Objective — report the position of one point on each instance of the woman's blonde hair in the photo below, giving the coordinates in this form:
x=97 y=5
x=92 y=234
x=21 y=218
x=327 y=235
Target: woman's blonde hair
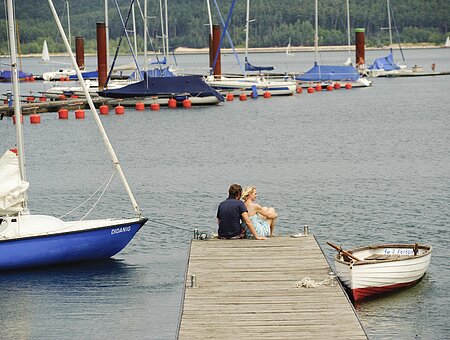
x=247 y=191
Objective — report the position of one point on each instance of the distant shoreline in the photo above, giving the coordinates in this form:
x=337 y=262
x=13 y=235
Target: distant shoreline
x=205 y=50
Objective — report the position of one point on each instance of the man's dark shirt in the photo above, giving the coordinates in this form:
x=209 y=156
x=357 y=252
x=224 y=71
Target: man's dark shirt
x=229 y=215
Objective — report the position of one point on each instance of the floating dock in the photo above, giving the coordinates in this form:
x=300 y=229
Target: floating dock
x=55 y=105
x=248 y=289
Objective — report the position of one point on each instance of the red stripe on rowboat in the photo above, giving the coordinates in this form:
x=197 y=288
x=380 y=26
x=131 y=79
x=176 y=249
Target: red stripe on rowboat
x=362 y=293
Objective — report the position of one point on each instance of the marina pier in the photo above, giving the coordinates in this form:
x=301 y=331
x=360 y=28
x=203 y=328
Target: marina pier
x=280 y=288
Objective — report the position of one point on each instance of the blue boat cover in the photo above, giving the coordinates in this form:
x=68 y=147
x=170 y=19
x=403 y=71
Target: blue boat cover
x=164 y=86
x=160 y=62
x=384 y=63
x=5 y=75
x=333 y=73
x=156 y=72
x=86 y=75
x=250 y=67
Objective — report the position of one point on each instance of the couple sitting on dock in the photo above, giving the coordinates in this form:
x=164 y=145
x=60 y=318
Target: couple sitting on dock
x=257 y=221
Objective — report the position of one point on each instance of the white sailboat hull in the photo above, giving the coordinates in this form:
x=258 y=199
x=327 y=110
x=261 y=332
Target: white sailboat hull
x=246 y=85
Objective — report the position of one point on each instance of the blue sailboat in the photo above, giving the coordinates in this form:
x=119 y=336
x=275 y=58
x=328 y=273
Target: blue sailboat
x=385 y=66
x=323 y=73
x=28 y=240
x=163 y=88
x=329 y=74
x=160 y=84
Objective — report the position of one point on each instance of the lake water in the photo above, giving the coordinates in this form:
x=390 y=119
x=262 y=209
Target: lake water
x=359 y=167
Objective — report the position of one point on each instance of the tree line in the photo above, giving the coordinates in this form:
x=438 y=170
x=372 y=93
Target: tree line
x=274 y=22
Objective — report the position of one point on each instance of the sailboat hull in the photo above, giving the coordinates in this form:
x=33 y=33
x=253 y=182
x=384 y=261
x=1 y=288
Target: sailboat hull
x=65 y=247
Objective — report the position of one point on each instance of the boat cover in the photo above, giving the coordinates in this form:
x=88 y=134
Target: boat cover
x=5 y=75
x=86 y=75
x=164 y=86
x=250 y=67
x=156 y=72
x=384 y=63
x=332 y=73
x=12 y=188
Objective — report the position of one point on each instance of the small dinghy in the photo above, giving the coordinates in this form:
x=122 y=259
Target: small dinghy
x=381 y=268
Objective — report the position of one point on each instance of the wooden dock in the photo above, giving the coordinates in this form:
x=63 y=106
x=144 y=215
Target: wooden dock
x=28 y=108
x=248 y=289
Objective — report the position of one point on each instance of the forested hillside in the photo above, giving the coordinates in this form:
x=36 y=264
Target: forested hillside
x=276 y=21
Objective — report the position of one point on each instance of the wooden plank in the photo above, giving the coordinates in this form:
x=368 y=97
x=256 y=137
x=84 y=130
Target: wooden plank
x=249 y=289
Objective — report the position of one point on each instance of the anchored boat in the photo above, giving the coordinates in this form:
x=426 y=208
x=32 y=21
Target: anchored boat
x=381 y=268
x=28 y=240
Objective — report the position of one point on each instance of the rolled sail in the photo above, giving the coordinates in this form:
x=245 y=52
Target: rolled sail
x=12 y=187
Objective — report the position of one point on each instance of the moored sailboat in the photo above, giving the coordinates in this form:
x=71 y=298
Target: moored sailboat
x=28 y=240
x=251 y=84
x=329 y=74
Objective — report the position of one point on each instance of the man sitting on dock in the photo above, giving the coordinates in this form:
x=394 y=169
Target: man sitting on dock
x=230 y=213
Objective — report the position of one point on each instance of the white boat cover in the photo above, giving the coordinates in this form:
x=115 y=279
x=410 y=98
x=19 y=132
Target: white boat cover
x=12 y=188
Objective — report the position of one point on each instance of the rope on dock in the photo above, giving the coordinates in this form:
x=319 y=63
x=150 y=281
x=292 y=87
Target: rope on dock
x=309 y=283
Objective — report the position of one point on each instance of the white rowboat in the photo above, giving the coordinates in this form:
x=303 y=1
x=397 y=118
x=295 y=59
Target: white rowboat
x=382 y=268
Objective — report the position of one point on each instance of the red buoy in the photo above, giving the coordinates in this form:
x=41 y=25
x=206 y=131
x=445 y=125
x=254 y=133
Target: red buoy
x=318 y=87
x=120 y=110
x=14 y=119
x=63 y=114
x=299 y=89
x=172 y=103
x=337 y=86
x=187 y=104
x=329 y=87
x=62 y=96
x=311 y=89
x=267 y=94
x=74 y=96
x=155 y=106
x=42 y=99
x=79 y=114
x=140 y=106
x=242 y=97
x=348 y=86
x=104 y=109
x=230 y=97
x=30 y=99
x=35 y=119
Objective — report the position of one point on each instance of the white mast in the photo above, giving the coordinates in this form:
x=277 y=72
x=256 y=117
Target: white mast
x=162 y=27
x=349 y=59
x=316 y=34
x=167 y=29
x=108 y=145
x=107 y=32
x=247 y=28
x=145 y=37
x=133 y=16
x=16 y=98
x=68 y=23
x=208 y=5
x=389 y=23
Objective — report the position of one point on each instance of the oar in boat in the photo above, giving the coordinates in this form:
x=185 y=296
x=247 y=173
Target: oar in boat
x=340 y=250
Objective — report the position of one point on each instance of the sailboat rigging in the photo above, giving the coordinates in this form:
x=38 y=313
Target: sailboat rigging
x=28 y=240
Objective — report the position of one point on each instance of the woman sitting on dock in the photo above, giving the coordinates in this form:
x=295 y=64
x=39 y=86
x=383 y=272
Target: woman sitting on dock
x=262 y=218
